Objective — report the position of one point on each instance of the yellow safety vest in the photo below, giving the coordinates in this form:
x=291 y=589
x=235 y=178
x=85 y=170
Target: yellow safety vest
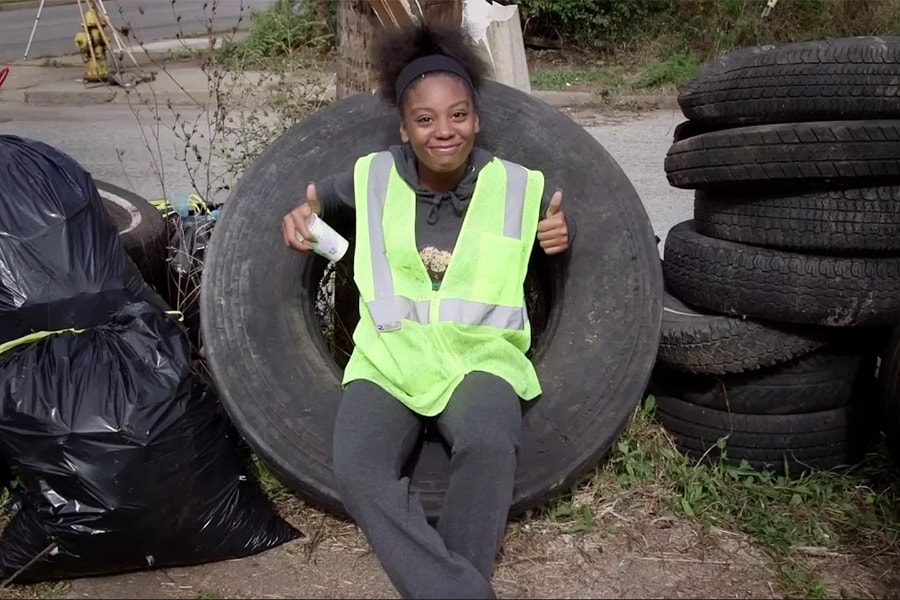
x=416 y=342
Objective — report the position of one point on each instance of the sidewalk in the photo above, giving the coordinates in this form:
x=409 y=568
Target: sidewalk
x=184 y=83
x=58 y=80
x=179 y=84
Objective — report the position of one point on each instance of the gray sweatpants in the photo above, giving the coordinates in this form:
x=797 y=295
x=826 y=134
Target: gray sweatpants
x=373 y=438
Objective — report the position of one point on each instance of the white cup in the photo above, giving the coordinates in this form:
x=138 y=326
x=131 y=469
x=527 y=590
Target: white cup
x=329 y=243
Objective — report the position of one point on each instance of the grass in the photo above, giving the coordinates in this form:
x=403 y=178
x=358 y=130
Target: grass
x=631 y=74
x=854 y=512
x=676 y=69
x=577 y=77
x=657 y=53
x=55 y=589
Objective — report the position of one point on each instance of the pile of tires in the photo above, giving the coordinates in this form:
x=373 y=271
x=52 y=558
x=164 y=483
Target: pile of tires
x=784 y=288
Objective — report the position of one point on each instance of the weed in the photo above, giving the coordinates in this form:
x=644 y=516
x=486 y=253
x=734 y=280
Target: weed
x=677 y=69
x=55 y=589
x=246 y=107
x=704 y=28
x=578 y=517
x=658 y=44
x=855 y=510
x=5 y=500
x=269 y=482
x=285 y=28
x=248 y=104
x=607 y=79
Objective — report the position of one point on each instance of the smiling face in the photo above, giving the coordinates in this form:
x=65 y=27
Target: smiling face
x=440 y=124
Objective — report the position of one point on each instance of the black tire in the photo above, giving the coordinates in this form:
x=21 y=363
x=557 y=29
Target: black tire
x=688 y=129
x=761 y=283
x=822 y=80
x=818 y=381
x=142 y=230
x=851 y=152
x=833 y=221
x=699 y=342
x=281 y=386
x=820 y=440
x=889 y=381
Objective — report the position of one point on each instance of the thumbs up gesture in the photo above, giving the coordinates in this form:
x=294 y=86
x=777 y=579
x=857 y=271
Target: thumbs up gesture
x=553 y=232
x=294 y=225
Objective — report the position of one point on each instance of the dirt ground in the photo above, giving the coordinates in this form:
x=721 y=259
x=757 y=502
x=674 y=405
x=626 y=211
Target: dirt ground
x=629 y=552
x=627 y=556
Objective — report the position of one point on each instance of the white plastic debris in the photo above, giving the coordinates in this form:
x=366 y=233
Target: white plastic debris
x=498 y=31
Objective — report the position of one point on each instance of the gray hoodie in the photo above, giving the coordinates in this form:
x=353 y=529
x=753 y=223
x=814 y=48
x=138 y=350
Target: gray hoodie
x=440 y=214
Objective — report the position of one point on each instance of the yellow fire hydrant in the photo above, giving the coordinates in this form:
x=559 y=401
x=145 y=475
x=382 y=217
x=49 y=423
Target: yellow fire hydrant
x=93 y=47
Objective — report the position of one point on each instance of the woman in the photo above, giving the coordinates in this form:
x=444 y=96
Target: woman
x=444 y=232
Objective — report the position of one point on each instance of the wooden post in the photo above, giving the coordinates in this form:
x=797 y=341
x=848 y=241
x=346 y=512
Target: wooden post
x=451 y=10
x=357 y=24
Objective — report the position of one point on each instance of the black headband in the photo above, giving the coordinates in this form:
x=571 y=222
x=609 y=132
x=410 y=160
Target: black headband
x=430 y=64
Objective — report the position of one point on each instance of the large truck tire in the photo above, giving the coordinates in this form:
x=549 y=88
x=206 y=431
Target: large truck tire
x=281 y=385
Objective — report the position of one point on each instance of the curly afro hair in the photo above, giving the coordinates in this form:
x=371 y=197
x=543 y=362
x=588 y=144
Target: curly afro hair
x=396 y=47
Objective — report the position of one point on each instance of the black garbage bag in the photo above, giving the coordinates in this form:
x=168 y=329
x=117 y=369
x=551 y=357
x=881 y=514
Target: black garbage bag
x=61 y=260
x=124 y=457
x=5 y=478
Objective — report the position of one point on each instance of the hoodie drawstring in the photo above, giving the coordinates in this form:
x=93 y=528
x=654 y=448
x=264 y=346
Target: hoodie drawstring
x=437 y=200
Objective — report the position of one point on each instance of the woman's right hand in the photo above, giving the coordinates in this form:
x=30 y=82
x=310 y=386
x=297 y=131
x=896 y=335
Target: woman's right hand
x=294 y=225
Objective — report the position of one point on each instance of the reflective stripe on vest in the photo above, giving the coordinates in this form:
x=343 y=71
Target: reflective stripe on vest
x=387 y=308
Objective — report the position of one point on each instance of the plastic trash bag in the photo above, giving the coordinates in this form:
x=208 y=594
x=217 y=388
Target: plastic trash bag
x=5 y=478
x=124 y=457
x=61 y=260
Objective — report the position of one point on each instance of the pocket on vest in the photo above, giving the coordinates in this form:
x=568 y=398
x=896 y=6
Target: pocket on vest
x=498 y=278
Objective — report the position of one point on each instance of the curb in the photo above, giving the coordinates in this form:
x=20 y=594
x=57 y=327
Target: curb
x=26 y=4
x=565 y=99
x=664 y=102
x=116 y=95
x=50 y=98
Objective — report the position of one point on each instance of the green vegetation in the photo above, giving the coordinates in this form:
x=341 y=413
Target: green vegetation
x=288 y=27
x=704 y=28
x=855 y=511
x=610 y=47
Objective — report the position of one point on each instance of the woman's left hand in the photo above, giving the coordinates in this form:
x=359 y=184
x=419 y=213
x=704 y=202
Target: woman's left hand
x=553 y=232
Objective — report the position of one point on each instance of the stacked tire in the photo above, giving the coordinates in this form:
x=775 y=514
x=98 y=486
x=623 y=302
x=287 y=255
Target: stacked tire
x=784 y=288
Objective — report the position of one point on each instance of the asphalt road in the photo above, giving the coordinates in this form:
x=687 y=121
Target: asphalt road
x=107 y=140
x=150 y=20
